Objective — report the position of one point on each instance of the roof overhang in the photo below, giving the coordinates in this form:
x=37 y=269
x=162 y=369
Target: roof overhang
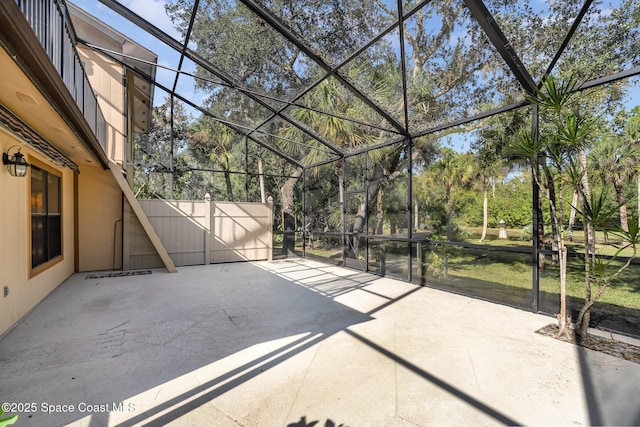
x=32 y=89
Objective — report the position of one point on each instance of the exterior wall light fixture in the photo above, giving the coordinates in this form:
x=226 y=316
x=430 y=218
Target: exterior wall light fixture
x=16 y=164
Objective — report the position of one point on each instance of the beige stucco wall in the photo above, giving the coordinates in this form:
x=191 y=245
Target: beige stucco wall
x=106 y=78
x=15 y=257
x=99 y=220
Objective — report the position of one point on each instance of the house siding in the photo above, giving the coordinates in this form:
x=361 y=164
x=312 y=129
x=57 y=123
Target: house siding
x=99 y=220
x=106 y=77
x=25 y=290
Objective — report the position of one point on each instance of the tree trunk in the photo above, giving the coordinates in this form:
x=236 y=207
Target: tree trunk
x=227 y=180
x=380 y=209
x=563 y=319
x=357 y=228
x=287 y=193
x=556 y=224
x=622 y=202
x=556 y=216
x=541 y=255
x=572 y=214
x=555 y=247
x=485 y=207
x=448 y=211
x=586 y=191
x=584 y=317
x=493 y=188
x=343 y=210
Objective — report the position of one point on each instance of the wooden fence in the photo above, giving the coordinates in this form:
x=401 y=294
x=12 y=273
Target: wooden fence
x=199 y=232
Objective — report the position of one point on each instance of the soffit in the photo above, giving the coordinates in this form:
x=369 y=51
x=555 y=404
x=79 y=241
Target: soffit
x=22 y=98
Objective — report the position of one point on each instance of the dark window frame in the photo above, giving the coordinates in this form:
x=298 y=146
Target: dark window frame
x=46 y=229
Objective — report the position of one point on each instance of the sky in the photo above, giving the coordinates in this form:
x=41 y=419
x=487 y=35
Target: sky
x=153 y=11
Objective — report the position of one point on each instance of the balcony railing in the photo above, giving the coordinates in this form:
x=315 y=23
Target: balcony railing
x=49 y=20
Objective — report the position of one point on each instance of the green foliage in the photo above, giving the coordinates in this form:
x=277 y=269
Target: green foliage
x=524 y=146
x=555 y=95
x=155 y=174
x=597 y=211
x=7 y=420
x=435 y=264
x=512 y=203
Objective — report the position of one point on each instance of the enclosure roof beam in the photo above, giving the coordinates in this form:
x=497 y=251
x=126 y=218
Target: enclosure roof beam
x=236 y=129
x=377 y=146
x=323 y=162
x=207 y=65
x=196 y=3
x=405 y=100
x=355 y=54
x=567 y=39
x=281 y=28
x=246 y=91
x=631 y=72
x=479 y=116
x=207 y=112
x=445 y=126
x=499 y=40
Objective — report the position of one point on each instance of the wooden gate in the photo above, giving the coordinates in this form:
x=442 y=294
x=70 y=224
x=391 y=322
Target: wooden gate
x=199 y=232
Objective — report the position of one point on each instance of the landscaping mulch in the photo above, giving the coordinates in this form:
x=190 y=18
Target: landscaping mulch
x=616 y=348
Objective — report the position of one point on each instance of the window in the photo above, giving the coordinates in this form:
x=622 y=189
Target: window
x=46 y=218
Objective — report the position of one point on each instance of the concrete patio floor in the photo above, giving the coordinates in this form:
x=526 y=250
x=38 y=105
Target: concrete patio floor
x=298 y=343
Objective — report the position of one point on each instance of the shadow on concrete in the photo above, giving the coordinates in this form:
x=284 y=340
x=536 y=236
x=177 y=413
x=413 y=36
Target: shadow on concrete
x=220 y=385
x=607 y=396
x=101 y=341
x=455 y=392
x=104 y=341
x=304 y=423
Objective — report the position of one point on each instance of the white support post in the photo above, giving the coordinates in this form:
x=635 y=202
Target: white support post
x=207 y=229
x=270 y=232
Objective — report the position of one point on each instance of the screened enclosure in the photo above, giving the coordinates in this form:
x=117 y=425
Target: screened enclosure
x=407 y=139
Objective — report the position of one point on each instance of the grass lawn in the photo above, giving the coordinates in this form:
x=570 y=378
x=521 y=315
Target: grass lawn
x=625 y=291
x=510 y=269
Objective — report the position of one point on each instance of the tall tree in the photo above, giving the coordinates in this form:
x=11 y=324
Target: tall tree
x=491 y=161
x=449 y=170
x=632 y=132
x=550 y=159
x=616 y=161
x=159 y=170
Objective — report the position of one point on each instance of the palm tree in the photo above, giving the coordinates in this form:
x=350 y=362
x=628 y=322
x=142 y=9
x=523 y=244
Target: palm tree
x=327 y=96
x=632 y=132
x=539 y=153
x=450 y=169
x=489 y=165
x=489 y=150
x=568 y=141
x=212 y=140
x=616 y=161
x=489 y=173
